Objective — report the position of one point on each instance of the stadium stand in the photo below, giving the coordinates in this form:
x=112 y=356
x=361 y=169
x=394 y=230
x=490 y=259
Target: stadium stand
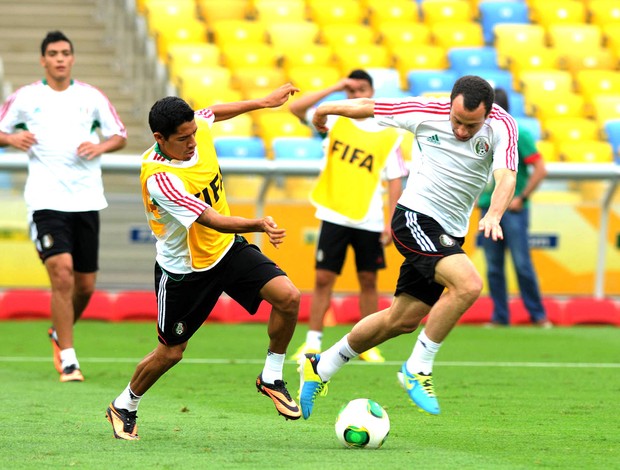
x=493 y=13
x=238 y=146
x=310 y=148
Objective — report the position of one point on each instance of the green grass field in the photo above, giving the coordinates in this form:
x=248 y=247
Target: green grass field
x=513 y=398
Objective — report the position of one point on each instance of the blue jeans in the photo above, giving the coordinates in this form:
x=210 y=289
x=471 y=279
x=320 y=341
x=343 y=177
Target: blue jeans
x=515 y=226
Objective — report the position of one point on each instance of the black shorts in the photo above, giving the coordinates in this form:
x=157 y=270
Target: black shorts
x=77 y=233
x=332 y=248
x=184 y=301
x=423 y=242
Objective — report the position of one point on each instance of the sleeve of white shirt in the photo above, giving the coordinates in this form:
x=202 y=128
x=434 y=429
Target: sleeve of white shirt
x=9 y=114
x=395 y=166
x=109 y=119
x=168 y=192
x=505 y=138
x=407 y=113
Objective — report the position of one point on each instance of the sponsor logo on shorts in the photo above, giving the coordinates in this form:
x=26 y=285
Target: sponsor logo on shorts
x=446 y=240
x=179 y=328
x=320 y=255
x=47 y=241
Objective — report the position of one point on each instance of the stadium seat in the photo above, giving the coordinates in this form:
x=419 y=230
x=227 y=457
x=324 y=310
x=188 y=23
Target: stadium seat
x=602 y=12
x=258 y=81
x=405 y=34
x=592 y=311
x=606 y=108
x=279 y=11
x=424 y=81
x=611 y=37
x=240 y=147
x=457 y=34
x=199 y=99
x=280 y=124
x=555 y=105
x=187 y=31
x=391 y=12
x=446 y=11
x=612 y=134
x=553 y=308
x=307 y=148
x=472 y=58
x=182 y=56
x=133 y=305
x=324 y=12
x=530 y=60
x=362 y=57
x=248 y=55
x=591 y=83
x=385 y=80
x=312 y=55
x=548 y=150
x=496 y=12
x=25 y=304
x=293 y=37
x=497 y=78
x=545 y=81
x=585 y=151
x=204 y=80
x=212 y=11
x=343 y=35
x=422 y=57
x=161 y=12
x=228 y=32
x=568 y=39
x=589 y=59
x=516 y=101
x=531 y=124
x=562 y=129
x=553 y=12
x=241 y=125
x=313 y=78
x=511 y=38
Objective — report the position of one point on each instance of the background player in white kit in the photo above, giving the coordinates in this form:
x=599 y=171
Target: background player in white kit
x=459 y=142
x=55 y=121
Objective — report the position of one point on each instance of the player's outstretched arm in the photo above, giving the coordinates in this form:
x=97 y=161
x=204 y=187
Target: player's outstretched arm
x=277 y=97
x=234 y=224
x=358 y=108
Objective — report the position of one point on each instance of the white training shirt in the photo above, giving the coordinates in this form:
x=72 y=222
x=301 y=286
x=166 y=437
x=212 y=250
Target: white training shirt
x=448 y=175
x=61 y=120
x=395 y=168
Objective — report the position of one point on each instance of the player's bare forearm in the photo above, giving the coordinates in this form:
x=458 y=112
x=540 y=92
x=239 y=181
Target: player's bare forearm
x=505 y=182
x=358 y=108
x=278 y=97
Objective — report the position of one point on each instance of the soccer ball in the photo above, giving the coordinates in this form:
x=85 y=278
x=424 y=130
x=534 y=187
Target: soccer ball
x=362 y=423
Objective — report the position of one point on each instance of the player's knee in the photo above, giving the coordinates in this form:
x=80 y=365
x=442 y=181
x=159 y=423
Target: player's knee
x=288 y=301
x=471 y=289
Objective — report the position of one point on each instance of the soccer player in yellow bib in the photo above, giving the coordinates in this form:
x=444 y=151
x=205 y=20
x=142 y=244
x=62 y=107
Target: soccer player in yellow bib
x=201 y=255
x=359 y=156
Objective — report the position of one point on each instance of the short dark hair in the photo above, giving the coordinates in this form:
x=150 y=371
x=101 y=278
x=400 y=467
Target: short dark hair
x=360 y=74
x=501 y=98
x=54 y=36
x=168 y=113
x=475 y=90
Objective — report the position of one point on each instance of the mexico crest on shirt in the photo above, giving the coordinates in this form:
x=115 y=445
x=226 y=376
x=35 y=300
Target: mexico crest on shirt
x=481 y=146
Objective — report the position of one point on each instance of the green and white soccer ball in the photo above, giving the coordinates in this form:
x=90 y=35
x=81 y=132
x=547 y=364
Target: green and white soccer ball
x=362 y=424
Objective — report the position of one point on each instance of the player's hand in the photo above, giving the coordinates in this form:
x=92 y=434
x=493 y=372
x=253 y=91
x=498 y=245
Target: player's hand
x=276 y=235
x=319 y=121
x=280 y=96
x=491 y=228
x=22 y=140
x=88 y=150
x=386 y=236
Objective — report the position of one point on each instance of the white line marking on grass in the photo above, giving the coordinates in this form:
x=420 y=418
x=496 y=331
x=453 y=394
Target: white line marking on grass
x=119 y=360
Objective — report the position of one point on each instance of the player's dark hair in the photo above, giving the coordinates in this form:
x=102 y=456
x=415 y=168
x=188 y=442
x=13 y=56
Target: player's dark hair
x=54 y=36
x=167 y=114
x=501 y=98
x=475 y=90
x=359 y=74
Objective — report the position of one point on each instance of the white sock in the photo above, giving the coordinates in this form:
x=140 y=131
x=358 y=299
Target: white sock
x=313 y=340
x=334 y=358
x=423 y=355
x=273 y=367
x=68 y=358
x=127 y=400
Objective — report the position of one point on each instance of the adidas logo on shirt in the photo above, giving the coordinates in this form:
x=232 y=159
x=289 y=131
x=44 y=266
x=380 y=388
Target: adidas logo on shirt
x=434 y=139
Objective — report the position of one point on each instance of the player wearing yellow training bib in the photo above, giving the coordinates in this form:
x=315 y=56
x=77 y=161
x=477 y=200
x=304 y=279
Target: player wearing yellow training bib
x=200 y=254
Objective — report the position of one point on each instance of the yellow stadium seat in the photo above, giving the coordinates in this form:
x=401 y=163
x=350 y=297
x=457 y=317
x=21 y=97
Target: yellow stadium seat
x=611 y=36
x=242 y=126
x=552 y=12
x=571 y=38
x=517 y=37
x=422 y=57
x=554 y=105
x=547 y=149
x=249 y=55
x=586 y=151
x=248 y=79
x=405 y=34
x=182 y=56
x=391 y=11
x=606 y=108
x=205 y=80
x=325 y=12
x=596 y=59
x=158 y=13
x=440 y=11
x=310 y=56
x=280 y=124
x=535 y=83
x=279 y=11
x=311 y=78
x=562 y=129
x=203 y=98
x=212 y=11
x=518 y=61
x=362 y=57
x=591 y=83
x=293 y=36
x=227 y=32
x=457 y=34
x=603 y=12
x=187 y=31
x=338 y=35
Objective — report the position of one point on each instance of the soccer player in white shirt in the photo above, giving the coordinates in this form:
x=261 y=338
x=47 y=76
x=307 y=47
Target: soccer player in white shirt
x=54 y=120
x=459 y=142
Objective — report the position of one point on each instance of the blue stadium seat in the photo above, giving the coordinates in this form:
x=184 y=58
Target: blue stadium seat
x=308 y=148
x=492 y=13
x=516 y=102
x=430 y=81
x=612 y=131
x=243 y=147
x=496 y=77
x=532 y=125
x=471 y=58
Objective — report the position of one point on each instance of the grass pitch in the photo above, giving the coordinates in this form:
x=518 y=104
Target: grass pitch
x=511 y=398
